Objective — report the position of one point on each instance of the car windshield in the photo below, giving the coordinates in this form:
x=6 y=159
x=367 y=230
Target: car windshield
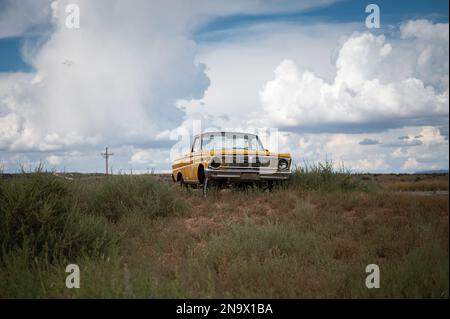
x=238 y=141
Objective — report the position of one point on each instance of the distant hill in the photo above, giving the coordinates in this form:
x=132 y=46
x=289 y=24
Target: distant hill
x=431 y=171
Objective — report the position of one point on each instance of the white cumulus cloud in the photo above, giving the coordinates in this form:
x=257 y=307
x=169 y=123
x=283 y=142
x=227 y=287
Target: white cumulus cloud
x=366 y=94
x=410 y=163
x=114 y=80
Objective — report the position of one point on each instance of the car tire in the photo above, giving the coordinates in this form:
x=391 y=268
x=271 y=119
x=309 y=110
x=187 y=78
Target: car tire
x=182 y=183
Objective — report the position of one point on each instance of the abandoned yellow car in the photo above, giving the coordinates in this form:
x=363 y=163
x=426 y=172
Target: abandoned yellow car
x=224 y=158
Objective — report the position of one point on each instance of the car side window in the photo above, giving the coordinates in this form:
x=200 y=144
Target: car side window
x=196 y=145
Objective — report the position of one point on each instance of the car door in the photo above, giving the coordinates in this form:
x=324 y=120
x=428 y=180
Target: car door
x=195 y=159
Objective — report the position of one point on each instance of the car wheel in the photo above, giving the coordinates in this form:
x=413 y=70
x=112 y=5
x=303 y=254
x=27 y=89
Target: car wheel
x=182 y=183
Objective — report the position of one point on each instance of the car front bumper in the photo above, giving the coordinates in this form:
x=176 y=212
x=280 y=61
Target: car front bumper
x=249 y=174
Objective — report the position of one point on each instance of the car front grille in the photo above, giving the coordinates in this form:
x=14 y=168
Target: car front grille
x=252 y=161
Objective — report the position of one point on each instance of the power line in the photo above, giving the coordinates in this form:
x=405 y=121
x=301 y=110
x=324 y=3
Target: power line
x=106 y=155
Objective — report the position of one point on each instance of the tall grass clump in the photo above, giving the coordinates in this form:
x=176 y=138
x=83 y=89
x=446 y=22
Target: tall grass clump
x=118 y=195
x=325 y=177
x=38 y=218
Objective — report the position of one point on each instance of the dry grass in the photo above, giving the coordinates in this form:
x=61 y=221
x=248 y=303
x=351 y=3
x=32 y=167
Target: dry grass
x=314 y=245
x=421 y=185
x=289 y=243
x=410 y=183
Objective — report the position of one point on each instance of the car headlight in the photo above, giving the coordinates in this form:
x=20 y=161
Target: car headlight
x=283 y=164
x=215 y=162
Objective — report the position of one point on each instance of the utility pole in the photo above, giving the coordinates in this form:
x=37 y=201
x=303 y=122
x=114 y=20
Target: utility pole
x=106 y=155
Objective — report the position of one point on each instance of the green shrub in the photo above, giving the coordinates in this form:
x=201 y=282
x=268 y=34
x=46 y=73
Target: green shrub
x=325 y=177
x=118 y=195
x=37 y=215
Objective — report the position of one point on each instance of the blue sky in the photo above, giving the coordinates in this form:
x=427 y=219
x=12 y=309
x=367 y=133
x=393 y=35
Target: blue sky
x=133 y=77
x=12 y=61
x=393 y=12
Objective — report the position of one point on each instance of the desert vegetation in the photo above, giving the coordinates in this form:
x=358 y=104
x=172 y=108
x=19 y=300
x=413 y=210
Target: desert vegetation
x=143 y=237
